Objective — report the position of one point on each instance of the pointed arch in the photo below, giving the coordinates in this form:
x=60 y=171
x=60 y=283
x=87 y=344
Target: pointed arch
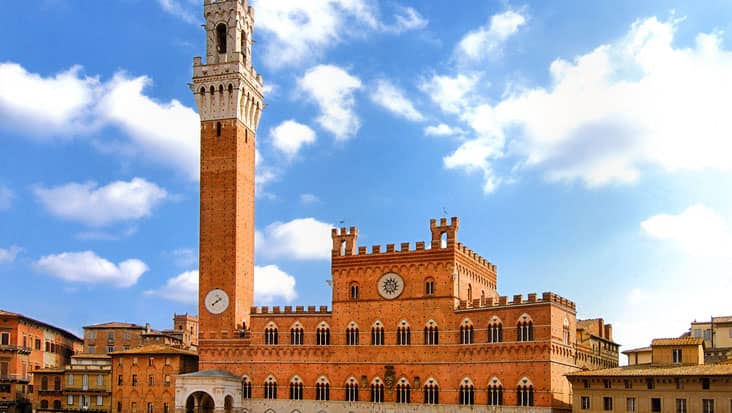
x=403 y=391
x=322 y=388
x=404 y=333
x=377 y=390
x=431 y=333
x=495 y=330
x=270 y=387
x=525 y=392
x=351 y=387
x=296 y=387
x=246 y=387
x=431 y=391
x=525 y=328
x=271 y=333
x=322 y=334
x=467 y=332
x=495 y=392
x=466 y=392
x=297 y=334
x=377 y=333
x=352 y=334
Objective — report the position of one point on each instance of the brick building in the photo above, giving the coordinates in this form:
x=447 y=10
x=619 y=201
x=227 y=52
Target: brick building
x=27 y=345
x=717 y=335
x=414 y=324
x=84 y=385
x=113 y=336
x=143 y=378
x=670 y=378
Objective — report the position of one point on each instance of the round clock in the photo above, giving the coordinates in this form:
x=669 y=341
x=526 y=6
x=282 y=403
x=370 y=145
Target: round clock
x=216 y=301
x=390 y=285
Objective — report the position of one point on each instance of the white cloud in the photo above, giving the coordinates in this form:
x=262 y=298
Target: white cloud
x=488 y=40
x=302 y=239
x=471 y=156
x=7 y=255
x=699 y=231
x=46 y=107
x=184 y=257
x=183 y=9
x=301 y=31
x=88 y=267
x=450 y=93
x=167 y=133
x=332 y=89
x=308 y=199
x=290 y=136
x=6 y=197
x=100 y=206
x=71 y=104
x=443 y=130
x=264 y=174
x=620 y=109
x=270 y=283
x=392 y=98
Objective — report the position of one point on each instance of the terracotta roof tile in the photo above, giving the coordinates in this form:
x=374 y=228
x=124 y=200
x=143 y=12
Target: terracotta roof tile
x=684 y=341
x=116 y=324
x=637 y=350
x=646 y=370
x=156 y=349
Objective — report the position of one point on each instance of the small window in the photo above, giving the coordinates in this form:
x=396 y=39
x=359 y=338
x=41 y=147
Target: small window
x=218 y=129
x=585 y=403
x=607 y=404
x=119 y=380
x=705 y=383
x=429 y=287
x=354 y=291
x=70 y=400
x=134 y=380
x=100 y=400
x=630 y=404
x=151 y=380
x=628 y=384
x=607 y=383
x=650 y=383
x=221 y=38
x=707 y=405
x=655 y=404
x=676 y=355
x=681 y=406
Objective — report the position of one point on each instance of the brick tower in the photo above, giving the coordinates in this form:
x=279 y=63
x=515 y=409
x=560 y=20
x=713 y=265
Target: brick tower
x=228 y=93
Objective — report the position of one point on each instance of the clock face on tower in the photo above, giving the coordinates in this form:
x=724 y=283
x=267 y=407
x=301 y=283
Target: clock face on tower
x=216 y=301
x=390 y=285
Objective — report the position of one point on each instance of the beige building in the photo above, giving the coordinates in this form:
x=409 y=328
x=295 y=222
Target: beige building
x=717 y=335
x=668 y=377
x=83 y=385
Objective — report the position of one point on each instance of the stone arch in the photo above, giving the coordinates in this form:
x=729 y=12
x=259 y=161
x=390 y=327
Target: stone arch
x=199 y=401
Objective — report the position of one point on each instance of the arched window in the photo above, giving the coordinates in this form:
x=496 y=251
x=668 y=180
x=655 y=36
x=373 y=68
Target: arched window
x=343 y=248
x=246 y=388
x=270 y=388
x=271 y=334
x=429 y=286
x=525 y=393
x=44 y=404
x=565 y=331
x=467 y=392
x=495 y=330
x=467 y=332
x=323 y=334
x=470 y=293
x=231 y=88
x=212 y=90
x=221 y=38
x=403 y=391
x=322 y=389
x=354 y=291
x=525 y=328
x=202 y=91
x=431 y=392
x=44 y=383
x=352 y=334
x=221 y=88
x=431 y=334
x=404 y=337
x=495 y=392
x=295 y=388
x=482 y=297
x=443 y=240
x=377 y=334
x=352 y=390
x=377 y=391
x=228 y=404
x=296 y=334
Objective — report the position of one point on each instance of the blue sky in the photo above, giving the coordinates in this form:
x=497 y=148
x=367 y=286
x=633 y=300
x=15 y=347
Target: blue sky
x=585 y=147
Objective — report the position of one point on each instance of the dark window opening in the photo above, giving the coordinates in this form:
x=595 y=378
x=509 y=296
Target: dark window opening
x=221 y=38
x=218 y=129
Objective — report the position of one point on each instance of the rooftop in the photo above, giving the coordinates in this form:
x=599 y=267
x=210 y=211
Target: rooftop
x=637 y=350
x=683 y=341
x=156 y=349
x=116 y=324
x=646 y=370
x=212 y=374
x=61 y=330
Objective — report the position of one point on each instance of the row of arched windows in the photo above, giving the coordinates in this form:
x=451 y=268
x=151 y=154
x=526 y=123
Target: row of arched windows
x=524 y=332
x=403 y=391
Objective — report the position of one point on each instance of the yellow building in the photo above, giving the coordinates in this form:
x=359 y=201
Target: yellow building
x=83 y=385
x=671 y=379
x=717 y=335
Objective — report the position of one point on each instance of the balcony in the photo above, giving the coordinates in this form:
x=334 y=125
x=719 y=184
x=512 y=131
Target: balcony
x=14 y=378
x=15 y=349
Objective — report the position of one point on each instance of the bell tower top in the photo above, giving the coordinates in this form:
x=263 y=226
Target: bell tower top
x=227 y=86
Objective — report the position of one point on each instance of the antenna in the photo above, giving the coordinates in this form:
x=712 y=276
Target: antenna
x=444 y=212
x=329 y=282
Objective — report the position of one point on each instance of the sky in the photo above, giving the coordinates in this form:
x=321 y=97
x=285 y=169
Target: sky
x=585 y=146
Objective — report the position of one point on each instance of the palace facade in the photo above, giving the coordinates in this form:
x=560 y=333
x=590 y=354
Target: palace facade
x=417 y=327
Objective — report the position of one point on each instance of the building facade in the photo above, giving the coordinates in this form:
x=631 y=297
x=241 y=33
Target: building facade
x=113 y=336
x=84 y=385
x=417 y=327
x=717 y=335
x=27 y=345
x=143 y=378
x=672 y=379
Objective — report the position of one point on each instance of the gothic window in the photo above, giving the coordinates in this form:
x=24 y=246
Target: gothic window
x=431 y=334
x=231 y=88
x=296 y=388
x=377 y=391
x=352 y=334
x=354 y=291
x=525 y=329
x=323 y=335
x=429 y=286
x=565 y=331
x=403 y=334
x=212 y=90
x=525 y=393
x=246 y=388
x=221 y=38
x=495 y=330
x=431 y=392
x=352 y=390
x=203 y=91
x=296 y=334
x=467 y=333
x=403 y=391
x=470 y=293
x=467 y=393
x=221 y=88
x=377 y=334
x=270 y=388
x=495 y=392
x=271 y=334
x=322 y=389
